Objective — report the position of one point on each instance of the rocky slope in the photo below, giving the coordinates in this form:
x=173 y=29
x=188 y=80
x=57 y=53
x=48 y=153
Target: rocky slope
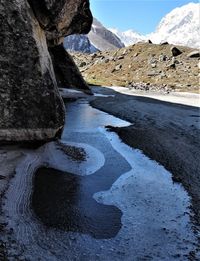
x=30 y=105
x=143 y=66
x=102 y=38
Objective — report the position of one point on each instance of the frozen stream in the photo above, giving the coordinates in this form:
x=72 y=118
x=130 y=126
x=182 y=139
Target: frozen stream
x=115 y=205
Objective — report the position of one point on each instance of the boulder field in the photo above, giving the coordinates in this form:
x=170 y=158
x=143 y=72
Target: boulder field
x=30 y=104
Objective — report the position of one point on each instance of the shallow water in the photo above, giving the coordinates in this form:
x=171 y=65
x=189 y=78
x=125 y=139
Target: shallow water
x=118 y=204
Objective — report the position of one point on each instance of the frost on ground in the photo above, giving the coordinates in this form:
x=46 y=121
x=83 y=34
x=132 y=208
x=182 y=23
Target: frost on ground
x=156 y=212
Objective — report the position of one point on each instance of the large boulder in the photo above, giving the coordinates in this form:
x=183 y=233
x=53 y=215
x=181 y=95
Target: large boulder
x=62 y=17
x=175 y=51
x=194 y=54
x=66 y=71
x=30 y=105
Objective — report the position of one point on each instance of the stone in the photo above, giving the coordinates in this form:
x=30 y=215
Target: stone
x=153 y=65
x=102 y=57
x=164 y=43
x=125 y=52
x=149 y=41
x=120 y=57
x=118 y=67
x=106 y=60
x=162 y=58
x=82 y=64
x=163 y=75
x=194 y=54
x=30 y=104
x=171 y=66
x=174 y=60
x=112 y=58
x=175 y=51
x=94 y=55
x=152 y=60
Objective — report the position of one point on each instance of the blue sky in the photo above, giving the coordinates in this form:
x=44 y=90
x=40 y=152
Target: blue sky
x=140 y=15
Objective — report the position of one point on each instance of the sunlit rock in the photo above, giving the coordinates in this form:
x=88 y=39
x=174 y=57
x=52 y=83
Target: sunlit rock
x=30 y=105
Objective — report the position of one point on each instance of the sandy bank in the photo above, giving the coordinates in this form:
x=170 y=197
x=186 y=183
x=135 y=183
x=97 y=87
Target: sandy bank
x=185 y=98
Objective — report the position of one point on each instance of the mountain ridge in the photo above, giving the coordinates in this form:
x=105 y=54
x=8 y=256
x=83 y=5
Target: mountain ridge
x=180 y=26
x=99 y=39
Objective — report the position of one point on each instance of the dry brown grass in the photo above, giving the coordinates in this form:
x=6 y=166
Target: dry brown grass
x=136 y=66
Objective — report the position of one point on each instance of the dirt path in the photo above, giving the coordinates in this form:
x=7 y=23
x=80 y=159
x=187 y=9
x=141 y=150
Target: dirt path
x=166 y=132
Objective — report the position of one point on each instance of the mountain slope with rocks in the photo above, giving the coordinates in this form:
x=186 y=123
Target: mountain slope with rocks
x=102 y=38
x=143 y=66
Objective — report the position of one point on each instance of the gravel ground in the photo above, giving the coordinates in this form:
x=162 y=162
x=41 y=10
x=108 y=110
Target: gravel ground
x=166 y=132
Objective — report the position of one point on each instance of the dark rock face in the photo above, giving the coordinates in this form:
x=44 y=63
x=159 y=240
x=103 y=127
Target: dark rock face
x=30 y=105
x=66 y=71
x=60 y=17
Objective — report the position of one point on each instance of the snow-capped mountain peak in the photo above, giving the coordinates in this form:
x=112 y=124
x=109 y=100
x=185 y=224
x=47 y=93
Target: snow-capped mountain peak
x=181 y=26
x=128 y=37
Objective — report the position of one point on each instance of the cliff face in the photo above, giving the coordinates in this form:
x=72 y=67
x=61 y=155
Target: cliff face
x=30 y=105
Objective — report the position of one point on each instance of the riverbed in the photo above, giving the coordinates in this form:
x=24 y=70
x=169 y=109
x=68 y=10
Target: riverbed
x=111 y=203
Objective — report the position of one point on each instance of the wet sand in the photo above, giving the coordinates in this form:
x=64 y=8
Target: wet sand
x=166 y=132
